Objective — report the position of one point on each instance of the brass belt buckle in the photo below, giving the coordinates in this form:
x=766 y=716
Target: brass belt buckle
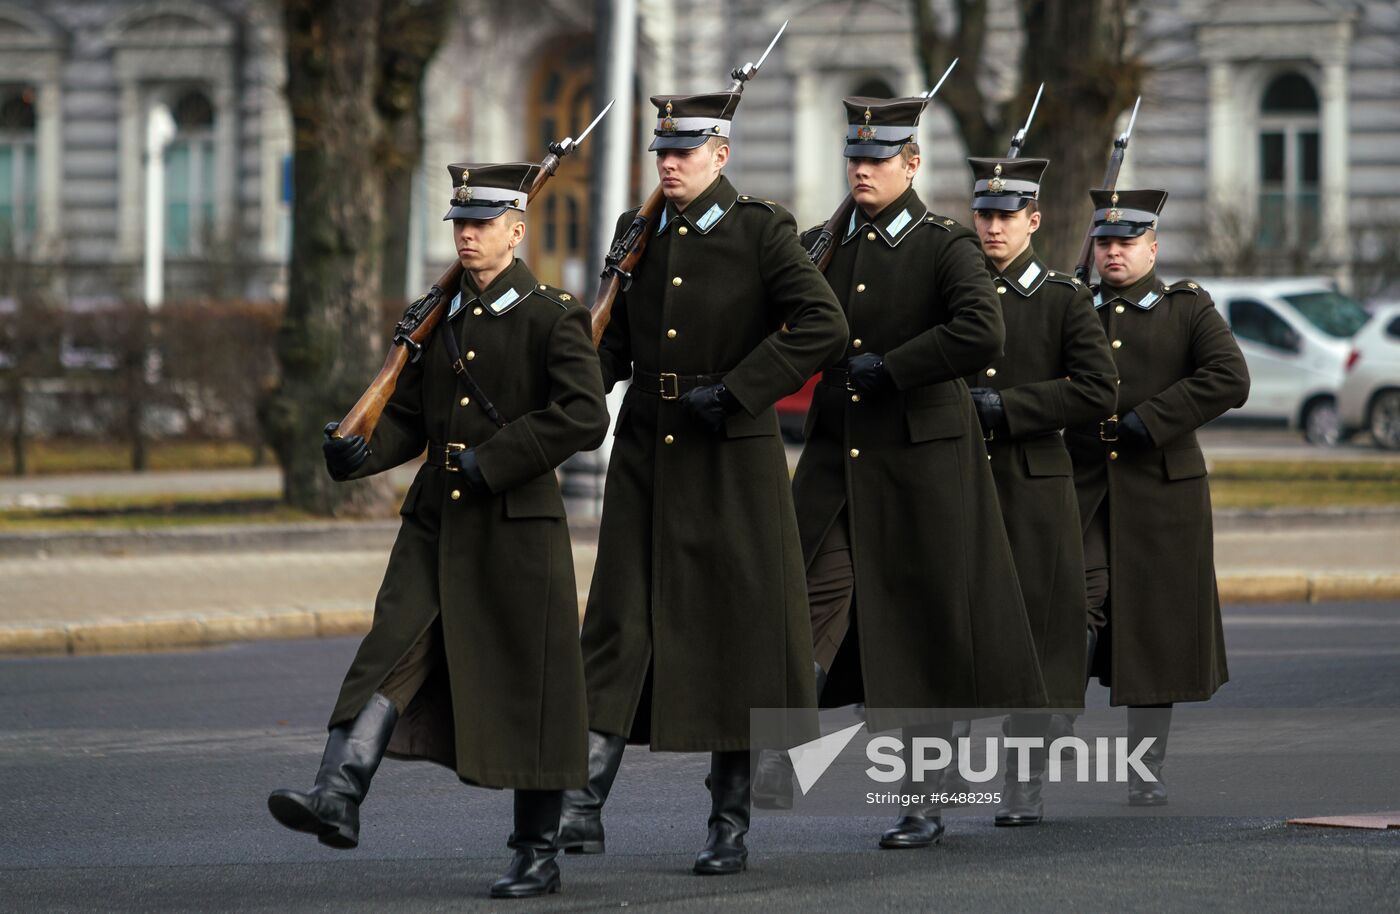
x=1107 y=433
x=448 y=450
x=675 y=385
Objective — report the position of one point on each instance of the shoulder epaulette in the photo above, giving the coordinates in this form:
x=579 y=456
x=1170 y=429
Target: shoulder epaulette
x=942 y=222
x=1066 y=278
x=558 y=296
x=771 y=206
x=1185 y=285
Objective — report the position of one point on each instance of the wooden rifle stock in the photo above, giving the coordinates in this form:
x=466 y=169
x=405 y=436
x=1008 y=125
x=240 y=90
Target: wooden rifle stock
x=622 y=259
x=416 y=326
x=824 y=246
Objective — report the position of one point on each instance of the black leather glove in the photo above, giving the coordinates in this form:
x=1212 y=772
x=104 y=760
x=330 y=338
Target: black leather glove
x=710 y=405
x=868 y=375
x=990 y=411
x=1133 y=433
x=472 y=476
x=343 y=455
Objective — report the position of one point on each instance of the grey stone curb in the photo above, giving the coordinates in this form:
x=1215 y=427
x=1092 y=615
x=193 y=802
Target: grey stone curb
x=138 y=635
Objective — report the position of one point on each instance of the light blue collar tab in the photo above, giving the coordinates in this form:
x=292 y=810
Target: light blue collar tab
x=504 y=301
x=897 y=223
x=710 y=218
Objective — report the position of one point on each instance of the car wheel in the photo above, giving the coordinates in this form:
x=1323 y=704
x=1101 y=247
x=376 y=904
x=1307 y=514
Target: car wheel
x=1385 y=420
x=1322 y=424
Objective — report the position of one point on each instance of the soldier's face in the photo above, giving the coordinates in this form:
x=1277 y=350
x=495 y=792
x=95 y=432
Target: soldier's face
x=685 y=173
x=876 y=183
x=1005 y=234
x=1123 y=261
x=487 y=244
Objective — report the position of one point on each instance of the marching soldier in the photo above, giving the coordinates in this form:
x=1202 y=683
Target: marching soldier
x=1057 y=371
x=697 y=611
x=913 y=592
x=473 y=659
x=1154 y=613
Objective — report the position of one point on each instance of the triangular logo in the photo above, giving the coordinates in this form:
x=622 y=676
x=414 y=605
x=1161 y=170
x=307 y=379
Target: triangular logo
x=810 y=760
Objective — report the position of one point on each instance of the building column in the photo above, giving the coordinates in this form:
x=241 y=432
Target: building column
x=1335 y=156
x=49 y=139
x=1222 y=185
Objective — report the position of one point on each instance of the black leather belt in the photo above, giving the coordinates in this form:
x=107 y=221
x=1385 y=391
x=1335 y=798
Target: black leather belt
x=837 y=377
x=668 y=385
x=440 y=455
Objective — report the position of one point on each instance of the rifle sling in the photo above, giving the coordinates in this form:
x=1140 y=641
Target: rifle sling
x=459 y=367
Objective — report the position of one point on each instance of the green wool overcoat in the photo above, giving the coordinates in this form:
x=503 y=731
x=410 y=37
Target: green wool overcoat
x=507 y=709
x=1178 y=367
x=1057 y=371
x=698 y=607
x=939 y=618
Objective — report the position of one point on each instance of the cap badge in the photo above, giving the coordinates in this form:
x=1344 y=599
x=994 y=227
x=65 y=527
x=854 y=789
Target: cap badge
x=996 y=185
x=866 y=133
x=464 y=193
x=1113 y=214
x=668 y=124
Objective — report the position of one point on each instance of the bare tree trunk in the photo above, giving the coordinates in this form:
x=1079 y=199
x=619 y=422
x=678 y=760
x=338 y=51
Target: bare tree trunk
x=330 y=343
x=1081 y=50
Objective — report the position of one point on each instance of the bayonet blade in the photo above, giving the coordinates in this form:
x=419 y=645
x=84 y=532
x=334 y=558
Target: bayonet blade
x=589 y=129
x=1034 y=105
x=770 y=47
x=1131 y=121
x=942 y=79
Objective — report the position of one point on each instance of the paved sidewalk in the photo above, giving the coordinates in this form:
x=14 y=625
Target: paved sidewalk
x=96 y=603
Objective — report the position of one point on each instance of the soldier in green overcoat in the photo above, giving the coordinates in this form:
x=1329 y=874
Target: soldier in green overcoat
x=473 y=659
x=915 y=602
x=1153 y=608
x=697 y=611
x=1056 y=371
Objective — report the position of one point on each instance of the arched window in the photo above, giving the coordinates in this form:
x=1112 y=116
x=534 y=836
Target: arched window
x=190 y=176
x=18 y=175
x=873 y=87
x=1290 y=163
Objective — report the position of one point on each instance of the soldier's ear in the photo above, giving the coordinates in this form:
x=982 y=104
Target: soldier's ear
x=1034 y=221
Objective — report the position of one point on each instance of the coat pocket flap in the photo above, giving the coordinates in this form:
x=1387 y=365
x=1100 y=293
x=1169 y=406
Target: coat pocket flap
x=1184 y=463
x=929 y=423
x=742 y=425
x=538 y=498
x=410 y=500
x=1048 y=461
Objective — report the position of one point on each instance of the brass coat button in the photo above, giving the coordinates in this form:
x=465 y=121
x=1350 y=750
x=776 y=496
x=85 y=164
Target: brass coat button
x=456 y=494
x=1117 y=344
x=855 y=398
x=477 y=311
x=855 y=452
x=683 y=230
x=1118 y=310
x=1112 y=455
x=466 y=401
x=991 y=372
x=671 y=334
x=471 y=354
x=676 y=281
x=860 y=288
x=855 y=344
x=1001 y=290
x=869 y=236
x=670 y=439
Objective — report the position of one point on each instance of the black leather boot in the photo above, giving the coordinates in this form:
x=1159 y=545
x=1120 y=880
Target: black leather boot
x=773 y=775
x=724 y=852
x=331 y=809
x=581 y=822
x=922 y=825
x=533 y=870
x=1154 y=721
x=1020 y=800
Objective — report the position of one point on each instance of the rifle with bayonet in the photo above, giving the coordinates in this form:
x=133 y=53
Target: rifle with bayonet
x=626 y=252
x=1020 y=137
x=1110 y=182
x=416 y=326
x=824 y=245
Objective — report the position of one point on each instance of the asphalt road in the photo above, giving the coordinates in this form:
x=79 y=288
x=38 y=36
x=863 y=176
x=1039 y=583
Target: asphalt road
x=137 y=783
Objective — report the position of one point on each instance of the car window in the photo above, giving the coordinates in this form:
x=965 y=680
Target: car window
x=1258 y=323
x=1331 y=312
x=1392 y=329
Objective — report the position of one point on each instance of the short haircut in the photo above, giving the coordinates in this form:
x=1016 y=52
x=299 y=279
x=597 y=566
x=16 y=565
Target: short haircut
x=715 y=142
x=909 y=150
x=1031 y=207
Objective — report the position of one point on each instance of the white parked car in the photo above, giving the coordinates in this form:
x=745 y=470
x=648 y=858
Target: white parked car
x=1295 y=334
x=1370 y=395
